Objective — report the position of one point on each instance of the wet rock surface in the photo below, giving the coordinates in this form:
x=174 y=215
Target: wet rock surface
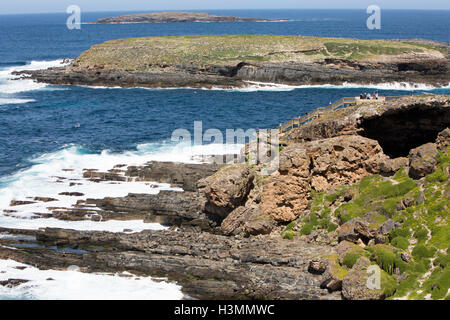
x=175 y=208
x=167 y=207
x=182 y=175
x=11 y=283
x=206 y=265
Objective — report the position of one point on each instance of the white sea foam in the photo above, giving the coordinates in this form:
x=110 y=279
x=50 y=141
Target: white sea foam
x=49 y=176
x=85 y=225
x=75 y=285
x=266 y=86
x=9 y=83
x=254 y=86
x=277 y=21
x=40 y=180
x=4 y=101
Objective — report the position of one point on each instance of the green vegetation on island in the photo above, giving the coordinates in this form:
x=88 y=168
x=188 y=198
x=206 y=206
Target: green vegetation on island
x=159 y=53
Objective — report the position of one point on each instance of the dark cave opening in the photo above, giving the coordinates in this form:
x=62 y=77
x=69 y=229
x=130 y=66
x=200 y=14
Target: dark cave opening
x=402 y=130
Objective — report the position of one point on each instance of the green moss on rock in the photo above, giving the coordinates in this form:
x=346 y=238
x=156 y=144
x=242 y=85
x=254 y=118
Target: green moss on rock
x=400 y=242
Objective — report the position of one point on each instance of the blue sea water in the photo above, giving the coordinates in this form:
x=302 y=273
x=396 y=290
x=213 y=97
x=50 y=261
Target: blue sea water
x=121 y=119
x=47 y=128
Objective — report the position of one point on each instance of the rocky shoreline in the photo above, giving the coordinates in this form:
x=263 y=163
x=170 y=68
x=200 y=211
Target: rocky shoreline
x=334 y=71
x=310 y=62
x=343 y=200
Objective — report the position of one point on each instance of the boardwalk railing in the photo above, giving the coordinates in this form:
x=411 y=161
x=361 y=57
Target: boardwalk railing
x=297 y=122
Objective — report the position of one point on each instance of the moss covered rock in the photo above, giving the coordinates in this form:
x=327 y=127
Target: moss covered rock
x=334 y=273
x=367 y=282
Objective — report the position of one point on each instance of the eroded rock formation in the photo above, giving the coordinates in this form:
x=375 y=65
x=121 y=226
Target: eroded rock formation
x=310 y=230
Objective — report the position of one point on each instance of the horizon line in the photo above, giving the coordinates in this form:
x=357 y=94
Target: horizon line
x=218 y=9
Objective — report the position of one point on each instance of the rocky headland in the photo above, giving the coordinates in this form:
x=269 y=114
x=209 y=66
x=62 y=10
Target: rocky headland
x=233 y=61
x=173 y=16
x=360 y=190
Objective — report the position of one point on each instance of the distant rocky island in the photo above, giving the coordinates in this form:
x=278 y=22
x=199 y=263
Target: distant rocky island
x=170 y=17
x=230 y=61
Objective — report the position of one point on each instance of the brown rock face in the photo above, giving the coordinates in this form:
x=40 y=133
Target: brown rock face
x=284 y=194
x=390 y=166
x=398 y=125
x=324 y=129
x=422 y=160
x=356 y=229
x=333 y=275
x=443 y=139
x=247 y=221
x=343 y=146
x=343 y=160
x=318 y=265
x=227 y=189
x=285 y=197
x=319 y=164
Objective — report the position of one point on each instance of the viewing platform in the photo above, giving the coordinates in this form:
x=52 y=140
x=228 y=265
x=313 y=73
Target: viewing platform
x=285 y=128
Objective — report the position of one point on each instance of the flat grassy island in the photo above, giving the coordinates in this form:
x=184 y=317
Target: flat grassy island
x=234 y=60
x=156 y=53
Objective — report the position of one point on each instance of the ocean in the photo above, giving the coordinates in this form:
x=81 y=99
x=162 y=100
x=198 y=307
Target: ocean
x=46 y=129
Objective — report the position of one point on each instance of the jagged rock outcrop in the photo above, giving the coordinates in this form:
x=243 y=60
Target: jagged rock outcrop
x=356 y=229
x=317 y=165
x=423 y=160
x=443 y=139
x=335 y=152
x=174 y=208
x=166 y=207
x=333 y=275
x=227 y=189
x=398 y=125
x=247 y=220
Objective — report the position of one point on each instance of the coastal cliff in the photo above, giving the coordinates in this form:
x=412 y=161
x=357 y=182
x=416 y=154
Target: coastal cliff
x=344 y=199
x=237 y=60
